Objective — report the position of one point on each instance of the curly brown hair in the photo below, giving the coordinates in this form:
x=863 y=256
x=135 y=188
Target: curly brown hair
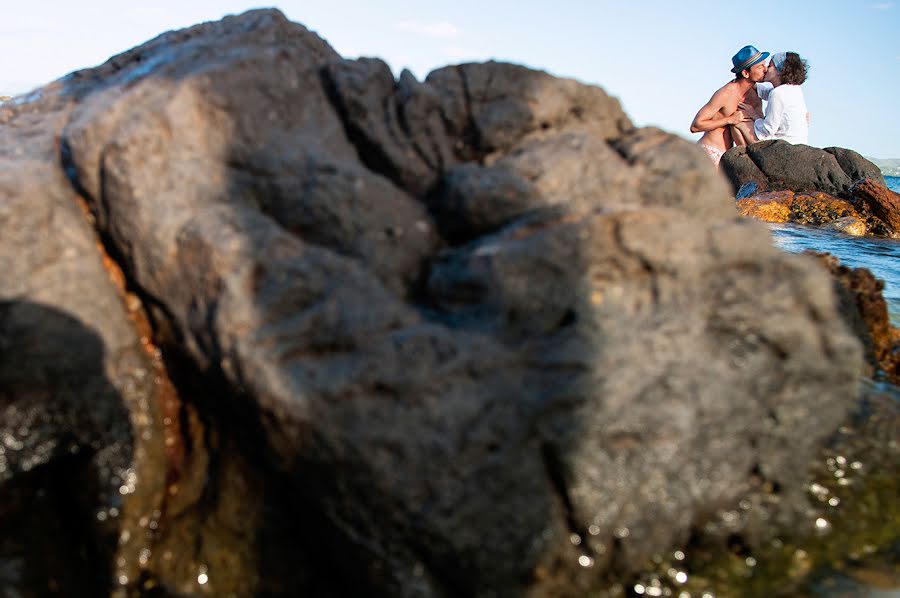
x=794 y=70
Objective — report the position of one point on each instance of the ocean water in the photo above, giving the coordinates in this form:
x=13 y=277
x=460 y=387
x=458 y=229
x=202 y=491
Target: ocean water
x=881 y=256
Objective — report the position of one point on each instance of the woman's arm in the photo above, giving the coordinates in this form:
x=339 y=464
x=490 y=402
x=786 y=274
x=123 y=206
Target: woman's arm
x=750 y=111
x=742 y=134
x=765 y=128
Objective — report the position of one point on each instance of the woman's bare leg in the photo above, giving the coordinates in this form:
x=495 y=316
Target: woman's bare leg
x=742 y=134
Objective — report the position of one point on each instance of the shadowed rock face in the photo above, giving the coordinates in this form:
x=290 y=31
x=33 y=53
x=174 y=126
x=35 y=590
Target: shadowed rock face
x=475 y=335
x=65 y=442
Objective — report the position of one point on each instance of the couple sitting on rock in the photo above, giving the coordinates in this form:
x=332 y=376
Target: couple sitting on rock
x=734 y=115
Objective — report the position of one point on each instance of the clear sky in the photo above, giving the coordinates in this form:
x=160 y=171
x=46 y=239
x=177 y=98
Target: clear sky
x=662 y=59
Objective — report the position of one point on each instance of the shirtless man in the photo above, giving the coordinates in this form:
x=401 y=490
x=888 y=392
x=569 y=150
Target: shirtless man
x=714 y=120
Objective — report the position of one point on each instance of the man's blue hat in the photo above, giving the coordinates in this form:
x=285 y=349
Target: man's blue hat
x=746 y=58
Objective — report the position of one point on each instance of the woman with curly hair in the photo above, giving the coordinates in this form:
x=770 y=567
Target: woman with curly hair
x=786 y=114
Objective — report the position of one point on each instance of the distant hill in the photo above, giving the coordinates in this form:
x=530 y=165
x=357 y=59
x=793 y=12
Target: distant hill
x=889 y=167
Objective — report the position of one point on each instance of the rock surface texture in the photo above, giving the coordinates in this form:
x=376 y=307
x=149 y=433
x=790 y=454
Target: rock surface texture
x=777 y=165
x=878 y=205
x=341 y=334
x=865 y=310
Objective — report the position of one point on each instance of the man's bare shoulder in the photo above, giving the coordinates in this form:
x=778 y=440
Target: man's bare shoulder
x=730 y=89
x=725 y=93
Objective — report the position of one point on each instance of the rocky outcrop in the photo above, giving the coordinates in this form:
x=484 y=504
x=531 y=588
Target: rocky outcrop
x=835 y=187
x=877 y=204
x=864 y=308
x=470 y=336
x=777 y=165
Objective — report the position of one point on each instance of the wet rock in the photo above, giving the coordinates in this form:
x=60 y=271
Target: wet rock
x=864 y=308
x=879 y=204
x=773 y=206
x=849 y=225
x=844 y=534
x=777 y=165
x=65 y=441
x=471 y=336
x=799 y=208
x=76 y=387
x=856 y=216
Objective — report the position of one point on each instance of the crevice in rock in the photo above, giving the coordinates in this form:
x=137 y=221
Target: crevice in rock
x=471 y=136
x=555 y=470
x=403 y=121
x=132 y=298
x=756 y=165
x=242 y=479
x=184 y=441
x=214 y=449
x=647 y=266
x=616 y=146
x=369 y=153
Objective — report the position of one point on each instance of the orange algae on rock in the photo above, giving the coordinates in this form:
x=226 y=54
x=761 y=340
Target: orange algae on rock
x=773 y=206
x=819 y=208
x=802 y=208
x=862 y=293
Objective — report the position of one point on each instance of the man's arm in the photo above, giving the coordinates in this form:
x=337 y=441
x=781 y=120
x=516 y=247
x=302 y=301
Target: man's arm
x=709 y=119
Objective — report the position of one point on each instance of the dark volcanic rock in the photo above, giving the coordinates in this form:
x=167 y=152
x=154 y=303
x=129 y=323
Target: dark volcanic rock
x=471 y=336
x=778 y=165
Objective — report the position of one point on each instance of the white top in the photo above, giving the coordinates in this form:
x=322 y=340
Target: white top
x=785 y=114
x=763 y=89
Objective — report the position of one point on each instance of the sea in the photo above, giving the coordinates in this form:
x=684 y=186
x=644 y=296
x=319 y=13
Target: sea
x=881 y=256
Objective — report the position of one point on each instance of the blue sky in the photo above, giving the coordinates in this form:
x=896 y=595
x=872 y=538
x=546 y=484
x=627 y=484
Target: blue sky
x=663 y=60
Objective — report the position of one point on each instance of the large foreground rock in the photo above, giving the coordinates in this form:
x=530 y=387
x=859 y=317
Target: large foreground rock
x=471 y=336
